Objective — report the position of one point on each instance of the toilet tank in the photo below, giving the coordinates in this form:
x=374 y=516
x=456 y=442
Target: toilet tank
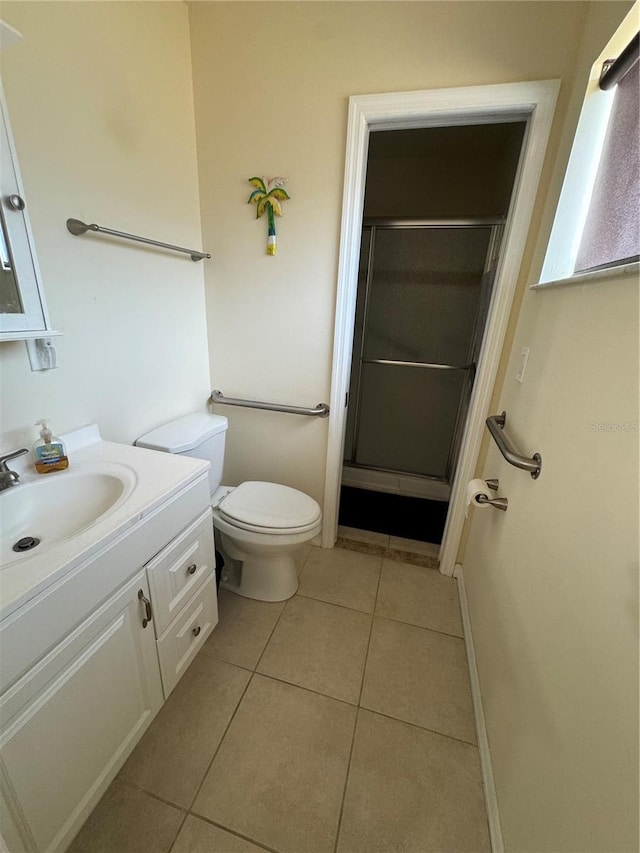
x=199 y=435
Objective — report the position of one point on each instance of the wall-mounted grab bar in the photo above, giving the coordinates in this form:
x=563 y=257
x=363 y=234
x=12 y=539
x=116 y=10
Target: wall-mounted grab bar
x=320 y=411
x=77 y=228
x=495 y=425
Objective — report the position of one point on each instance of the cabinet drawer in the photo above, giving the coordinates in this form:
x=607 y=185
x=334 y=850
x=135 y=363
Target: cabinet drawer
x=177 y=572
x=185 y=636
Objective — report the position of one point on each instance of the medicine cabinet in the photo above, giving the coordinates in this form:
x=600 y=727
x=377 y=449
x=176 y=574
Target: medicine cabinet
x=23 y=311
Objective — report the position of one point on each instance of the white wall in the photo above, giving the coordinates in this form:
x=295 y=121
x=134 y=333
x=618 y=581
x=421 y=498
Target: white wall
x=271 y=83
x=101 y=104
x=553 y=582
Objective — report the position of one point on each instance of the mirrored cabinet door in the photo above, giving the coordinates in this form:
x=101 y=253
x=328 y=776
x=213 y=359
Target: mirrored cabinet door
x=22 y=306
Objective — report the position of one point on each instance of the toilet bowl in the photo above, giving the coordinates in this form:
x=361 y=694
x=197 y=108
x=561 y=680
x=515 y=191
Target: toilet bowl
x=259 y=526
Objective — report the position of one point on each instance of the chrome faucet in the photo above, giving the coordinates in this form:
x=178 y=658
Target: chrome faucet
x=7 y=476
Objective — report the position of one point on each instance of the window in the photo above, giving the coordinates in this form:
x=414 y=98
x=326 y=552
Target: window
x=597 y=224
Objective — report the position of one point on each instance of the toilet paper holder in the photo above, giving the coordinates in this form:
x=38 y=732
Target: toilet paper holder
x=496 y=503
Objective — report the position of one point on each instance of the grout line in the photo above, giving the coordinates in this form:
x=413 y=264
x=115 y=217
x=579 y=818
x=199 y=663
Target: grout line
x=248 y=838
x=161 y=799
x=182 y=823
x=418 y=726
x=221 y=741
x=216 y=656
x=306 y=560
x=333 y=603
x=231 y=719
x=185 y=812
x=366 y=657
x=353 y=739
x=420 y=627
x=277 y=622
x=346 y=781
x=307 y=689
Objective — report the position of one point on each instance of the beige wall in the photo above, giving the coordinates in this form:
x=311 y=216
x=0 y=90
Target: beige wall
x=101 y=104
x=553 y=583
x=271 y=83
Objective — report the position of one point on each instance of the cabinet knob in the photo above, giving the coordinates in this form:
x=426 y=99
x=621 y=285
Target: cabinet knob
x=16 y=202
x=196 y=631
x=191 y=570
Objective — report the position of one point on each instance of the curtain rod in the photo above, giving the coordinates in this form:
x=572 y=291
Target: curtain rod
x=613 y=70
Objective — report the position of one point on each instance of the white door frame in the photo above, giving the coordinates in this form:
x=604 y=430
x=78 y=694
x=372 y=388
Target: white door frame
x=533 y=101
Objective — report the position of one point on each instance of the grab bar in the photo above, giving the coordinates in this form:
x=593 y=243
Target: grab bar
x=77 y=228
x=495 y=425
x=320 y=411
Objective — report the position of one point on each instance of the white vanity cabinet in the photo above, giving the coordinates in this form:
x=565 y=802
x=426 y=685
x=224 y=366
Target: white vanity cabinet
x=71 y=720
x=87 y=661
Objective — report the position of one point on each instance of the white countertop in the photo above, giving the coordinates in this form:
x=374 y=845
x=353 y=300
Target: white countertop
x=152 y=477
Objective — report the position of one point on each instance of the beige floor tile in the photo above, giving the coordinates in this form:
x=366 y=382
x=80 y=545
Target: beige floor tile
x=429 y=549
x=128 y=821
x=419 y=596
x=419 y=676
x=173 y=756
x=319 y=646
x=357 y=535
x=279 y=774
x=341 y=577
x=198 y=836
x=412 y=790
x=243 y=630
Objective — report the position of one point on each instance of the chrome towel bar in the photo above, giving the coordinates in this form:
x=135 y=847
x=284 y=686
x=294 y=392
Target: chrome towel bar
x=77 y=228
x=320 y=411
x=495 y=425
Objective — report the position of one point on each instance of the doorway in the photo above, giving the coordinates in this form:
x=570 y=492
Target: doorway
x=530 y=103
x=435 y=204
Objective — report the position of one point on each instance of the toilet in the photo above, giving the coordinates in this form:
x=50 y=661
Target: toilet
x=259 y=526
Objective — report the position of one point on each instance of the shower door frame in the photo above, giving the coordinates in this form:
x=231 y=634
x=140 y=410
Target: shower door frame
x=531 y=101
x=495 y=224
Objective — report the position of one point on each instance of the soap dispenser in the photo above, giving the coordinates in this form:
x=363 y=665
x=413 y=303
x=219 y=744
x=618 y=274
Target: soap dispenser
x=49 y=451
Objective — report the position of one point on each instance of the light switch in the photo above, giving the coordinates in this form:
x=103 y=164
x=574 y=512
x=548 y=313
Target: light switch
x=524 y=357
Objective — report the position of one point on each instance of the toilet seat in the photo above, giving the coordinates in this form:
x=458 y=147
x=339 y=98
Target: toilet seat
x=269 y=508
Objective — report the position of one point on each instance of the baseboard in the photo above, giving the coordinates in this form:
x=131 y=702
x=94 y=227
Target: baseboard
x=491 y=800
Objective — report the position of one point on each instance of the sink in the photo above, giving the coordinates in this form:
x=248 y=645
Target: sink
x=58 y=507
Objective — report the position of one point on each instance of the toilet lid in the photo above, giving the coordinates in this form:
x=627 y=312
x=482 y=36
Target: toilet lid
x=269 y=505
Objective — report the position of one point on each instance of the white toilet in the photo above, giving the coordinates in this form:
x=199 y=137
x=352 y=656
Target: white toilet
x=260 y=526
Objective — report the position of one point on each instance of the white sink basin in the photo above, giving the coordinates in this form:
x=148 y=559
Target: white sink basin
x=57 y=507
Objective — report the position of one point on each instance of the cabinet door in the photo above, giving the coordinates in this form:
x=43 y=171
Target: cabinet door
x=72 y=720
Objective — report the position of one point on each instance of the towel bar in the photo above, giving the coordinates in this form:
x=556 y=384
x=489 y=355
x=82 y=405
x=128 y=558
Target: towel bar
x=77 y=228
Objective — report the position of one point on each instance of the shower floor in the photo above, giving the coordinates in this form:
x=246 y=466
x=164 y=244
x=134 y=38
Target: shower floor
x=397 y=515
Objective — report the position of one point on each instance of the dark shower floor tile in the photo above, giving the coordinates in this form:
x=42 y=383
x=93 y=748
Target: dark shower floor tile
x=397 y=515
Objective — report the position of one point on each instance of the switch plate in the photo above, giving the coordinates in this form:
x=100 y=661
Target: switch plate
x=524 y=358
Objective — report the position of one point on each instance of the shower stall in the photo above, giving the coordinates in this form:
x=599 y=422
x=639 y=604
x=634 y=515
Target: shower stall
x=423 y=295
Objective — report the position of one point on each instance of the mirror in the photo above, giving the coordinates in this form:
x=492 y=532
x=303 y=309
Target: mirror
x=23 y=312
x=10 y=302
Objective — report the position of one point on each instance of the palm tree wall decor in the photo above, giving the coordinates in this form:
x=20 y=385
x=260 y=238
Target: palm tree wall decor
x=268 y=194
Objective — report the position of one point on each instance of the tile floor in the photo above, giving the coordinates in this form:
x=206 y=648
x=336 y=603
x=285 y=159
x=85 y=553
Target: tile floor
x=339 y=721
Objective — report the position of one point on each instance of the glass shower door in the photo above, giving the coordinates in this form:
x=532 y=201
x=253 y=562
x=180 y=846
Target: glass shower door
x=420 y=314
